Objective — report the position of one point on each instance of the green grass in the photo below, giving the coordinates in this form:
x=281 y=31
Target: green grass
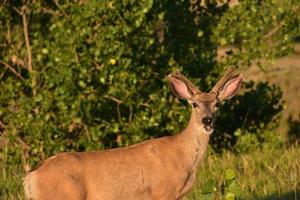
x=11 y=176
x=11 y=182
x=262 y=174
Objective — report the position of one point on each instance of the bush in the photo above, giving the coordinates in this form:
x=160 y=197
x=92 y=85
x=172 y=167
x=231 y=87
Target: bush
x=249 y=118
x=294 y=130
x=82 y=75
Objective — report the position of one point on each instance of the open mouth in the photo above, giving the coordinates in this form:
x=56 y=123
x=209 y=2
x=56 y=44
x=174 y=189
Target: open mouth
x=209 y=129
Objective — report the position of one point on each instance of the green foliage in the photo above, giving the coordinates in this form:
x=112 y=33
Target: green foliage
x=230 y=188
x=10 y=176
x=208 y=189
x=267 y=173
x=248 y=120
x=294 y=130
x=92 y=73
x=254 y=26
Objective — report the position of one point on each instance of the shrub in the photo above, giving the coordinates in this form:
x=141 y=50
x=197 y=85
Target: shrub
x=81 y=75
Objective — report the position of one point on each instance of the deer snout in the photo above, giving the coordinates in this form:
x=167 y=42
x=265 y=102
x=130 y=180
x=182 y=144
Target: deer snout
x=207 y=121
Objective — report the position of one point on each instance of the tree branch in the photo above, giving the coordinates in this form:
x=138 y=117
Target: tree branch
x=28 y=48
x=7 y=66
x=27 y=41
x=274 y=30
x=118 y=101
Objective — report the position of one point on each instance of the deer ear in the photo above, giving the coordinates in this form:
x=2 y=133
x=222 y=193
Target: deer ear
x=179 y=88
x=230 y=88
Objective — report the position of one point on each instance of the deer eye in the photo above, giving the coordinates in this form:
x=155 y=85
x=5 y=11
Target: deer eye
x=217 y=105
x=195 y=105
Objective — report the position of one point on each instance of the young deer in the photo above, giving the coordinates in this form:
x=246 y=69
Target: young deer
x=157 y=169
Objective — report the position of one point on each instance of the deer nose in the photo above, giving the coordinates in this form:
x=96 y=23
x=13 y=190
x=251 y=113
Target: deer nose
x=207 y=120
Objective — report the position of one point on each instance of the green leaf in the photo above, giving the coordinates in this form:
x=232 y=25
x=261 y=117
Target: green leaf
x=234 y=188
x=208 y=196
x=229 y=174
x=230 y=196
x=209 y=186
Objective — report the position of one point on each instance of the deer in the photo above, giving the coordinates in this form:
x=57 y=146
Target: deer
x=157 y=169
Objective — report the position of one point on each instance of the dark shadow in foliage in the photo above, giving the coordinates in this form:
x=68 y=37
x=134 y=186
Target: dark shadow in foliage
x=177 y=32
x=294 y=130
x=183 y=18
x=253 y=111
x=39 y=20
x=292 y=195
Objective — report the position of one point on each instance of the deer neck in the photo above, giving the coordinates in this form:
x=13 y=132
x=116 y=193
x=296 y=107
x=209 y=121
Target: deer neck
x=194 y=142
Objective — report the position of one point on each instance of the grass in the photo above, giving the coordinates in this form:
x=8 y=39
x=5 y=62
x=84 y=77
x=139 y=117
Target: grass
x=11 y=176
x=11 y=183
x=262 y=174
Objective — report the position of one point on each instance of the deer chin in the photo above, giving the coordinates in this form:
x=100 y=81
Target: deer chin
x=209 y=129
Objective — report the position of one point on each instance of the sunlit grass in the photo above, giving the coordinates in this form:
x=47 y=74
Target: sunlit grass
x=11 y=182
x=261 y=174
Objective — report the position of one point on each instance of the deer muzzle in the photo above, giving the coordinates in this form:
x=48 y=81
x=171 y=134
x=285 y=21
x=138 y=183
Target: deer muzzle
x=208 y=124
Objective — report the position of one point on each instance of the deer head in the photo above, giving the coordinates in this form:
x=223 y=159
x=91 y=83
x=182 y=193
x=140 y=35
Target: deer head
x=205 y=104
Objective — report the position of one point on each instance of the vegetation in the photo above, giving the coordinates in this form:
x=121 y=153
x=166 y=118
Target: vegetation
x=262 y=174
x=86 y=75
